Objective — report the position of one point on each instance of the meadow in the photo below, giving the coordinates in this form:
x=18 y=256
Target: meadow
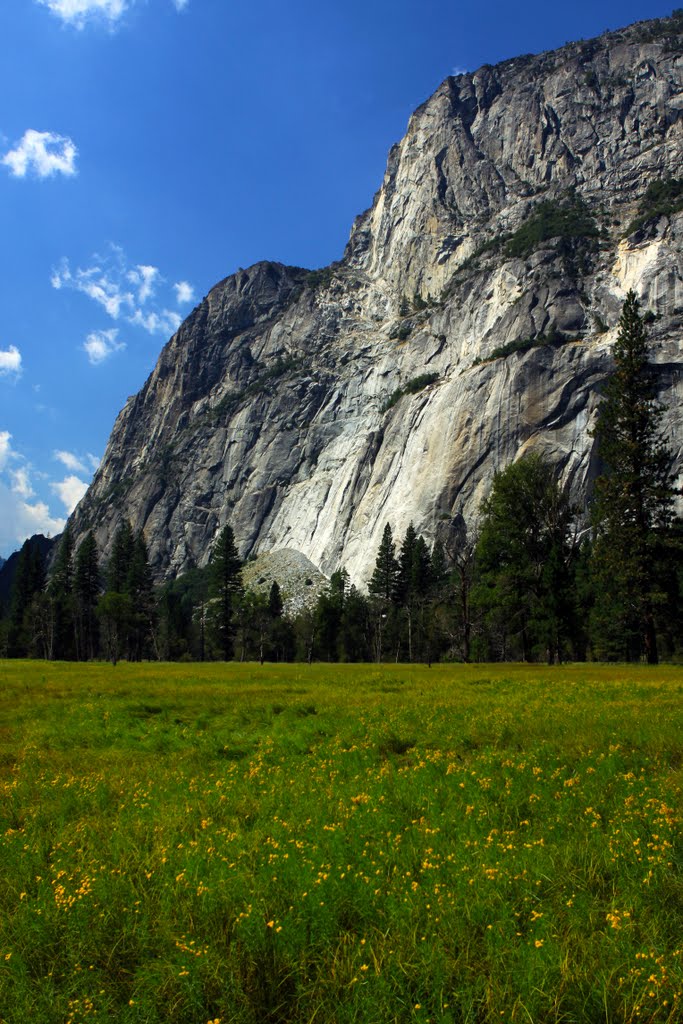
x=186 y=844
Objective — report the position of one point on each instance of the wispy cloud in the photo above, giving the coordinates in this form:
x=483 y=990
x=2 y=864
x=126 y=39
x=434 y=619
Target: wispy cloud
x=144 y=279
x=71 y=461
x=80 y=12
x=166 y=321
x=131 y=293
x=5 y=447
x=70 y=490
x=21 y=483
x=20 y=518
x=184 y=292
x=10 y=361
x=42 y=154
x=99 y=345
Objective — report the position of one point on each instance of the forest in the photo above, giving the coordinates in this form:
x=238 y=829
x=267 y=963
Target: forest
x=538 y=579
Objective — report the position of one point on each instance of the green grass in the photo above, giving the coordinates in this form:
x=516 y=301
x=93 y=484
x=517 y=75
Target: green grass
x=185 y=844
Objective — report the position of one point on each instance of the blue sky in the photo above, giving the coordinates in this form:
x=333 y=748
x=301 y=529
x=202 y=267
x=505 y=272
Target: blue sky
x=148 y=148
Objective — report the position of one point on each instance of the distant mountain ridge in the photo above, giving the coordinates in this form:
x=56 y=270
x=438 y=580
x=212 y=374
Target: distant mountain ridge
x=469 y=321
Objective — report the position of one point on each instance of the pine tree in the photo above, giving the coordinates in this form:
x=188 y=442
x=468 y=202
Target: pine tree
x=140 y=589
x=383 y=586
x=61 y=600
x=115 y=608
x=86 y=586
x=524 y=557
x=29 y=581
x=226 y=585
x=633 y=498
x=385 y=576
x=120 y=558
x=413 y=581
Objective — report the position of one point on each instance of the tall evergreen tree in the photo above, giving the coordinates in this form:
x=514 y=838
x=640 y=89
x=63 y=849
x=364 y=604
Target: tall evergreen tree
x=60 y=604
x=115 y=607
x=413 y=583
x=86 y=587
x=140 y=589
x=383 y=585
x=524 y=557
x=633 y=498
x=120 y=559
x=29 y=581
x=226 y=585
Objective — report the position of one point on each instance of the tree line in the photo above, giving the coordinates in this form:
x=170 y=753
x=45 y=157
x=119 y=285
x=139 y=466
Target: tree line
x=537 y=578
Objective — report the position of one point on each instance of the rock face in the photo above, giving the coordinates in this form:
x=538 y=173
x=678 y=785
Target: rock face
x=309 y=408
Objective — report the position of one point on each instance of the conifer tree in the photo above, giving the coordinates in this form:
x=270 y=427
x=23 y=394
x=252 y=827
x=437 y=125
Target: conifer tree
x=29 y=581
x=633 y=498
x=86 y=586
x=60 y=604
x=226 y=585
x=140 y=589
x=524 y=557
x=383 y=586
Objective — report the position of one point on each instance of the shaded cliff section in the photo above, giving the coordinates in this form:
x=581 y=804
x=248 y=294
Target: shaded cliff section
x=470 y=320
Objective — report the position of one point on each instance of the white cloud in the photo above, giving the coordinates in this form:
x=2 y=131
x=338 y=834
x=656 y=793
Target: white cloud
x=99 y=345
x=71 y=461
x=94 y=461
x=184 y=292
x=42 y=153
x=20 y=519
x=5 y=447
x=22 y=513
x=21 y=484
x=10 y=361
x=144 y=277
x=99 y=285
x=70 y=491
x=124 y=292
x=80 y=12
x=163 y=322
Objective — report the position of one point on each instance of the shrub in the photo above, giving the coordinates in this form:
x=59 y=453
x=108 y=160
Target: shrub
x=662 y=199
x=410 y=388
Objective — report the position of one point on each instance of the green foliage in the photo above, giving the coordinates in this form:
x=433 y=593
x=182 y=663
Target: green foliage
x=521 y=345
x=86 y=588
x=633 y=500
x=321 y=278
x=662 y=199
x=552 y=219
x=524 y=558
x=29 y=583
x=668 y=29
x=401 y=331
x=225 y=588
x=412 y=387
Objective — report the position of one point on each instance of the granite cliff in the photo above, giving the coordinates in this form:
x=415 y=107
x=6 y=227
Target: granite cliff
x=469 y=320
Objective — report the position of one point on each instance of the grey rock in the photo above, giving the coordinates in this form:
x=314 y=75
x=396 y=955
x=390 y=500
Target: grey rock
x=267 y=408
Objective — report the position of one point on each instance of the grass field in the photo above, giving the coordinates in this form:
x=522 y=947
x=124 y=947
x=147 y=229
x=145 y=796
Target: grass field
x=226 y=843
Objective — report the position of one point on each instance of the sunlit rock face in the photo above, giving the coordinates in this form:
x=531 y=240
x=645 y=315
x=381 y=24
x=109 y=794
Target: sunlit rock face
x=309 y=409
